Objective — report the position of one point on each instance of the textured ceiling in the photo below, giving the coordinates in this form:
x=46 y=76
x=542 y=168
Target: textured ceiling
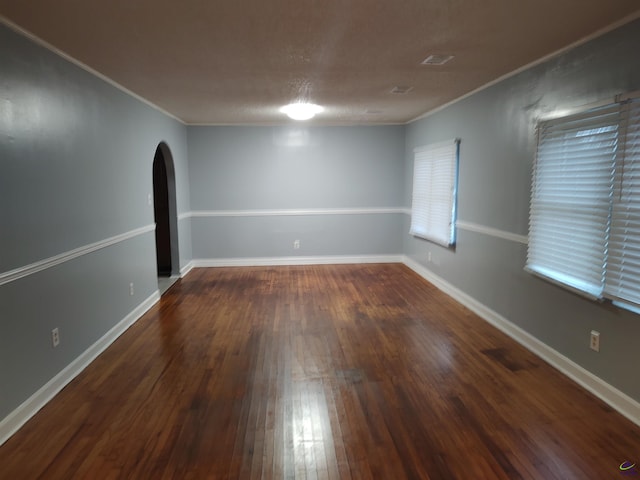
x=237 y=62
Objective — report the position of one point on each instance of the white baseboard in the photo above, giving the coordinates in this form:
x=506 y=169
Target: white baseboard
x=31 y=406
x=618 y=400
x=314 y=260
x=294 y=212
x=186 y=269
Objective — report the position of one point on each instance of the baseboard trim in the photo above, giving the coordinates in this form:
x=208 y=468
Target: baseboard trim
x=16 y=419
x=312 y=260
x=184 y=271
x=616 y=399
x=294 y=212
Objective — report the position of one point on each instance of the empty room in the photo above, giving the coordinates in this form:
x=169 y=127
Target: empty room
x=333 y=240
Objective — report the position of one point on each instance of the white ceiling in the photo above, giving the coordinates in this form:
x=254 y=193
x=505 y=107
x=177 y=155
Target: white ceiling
x=237 y=62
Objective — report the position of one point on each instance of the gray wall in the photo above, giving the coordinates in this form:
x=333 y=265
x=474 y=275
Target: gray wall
x=291 y=168
x=496 y=126
x=76 y=159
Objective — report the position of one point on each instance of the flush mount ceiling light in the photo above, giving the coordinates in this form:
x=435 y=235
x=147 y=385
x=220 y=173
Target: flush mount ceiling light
x=301 y=111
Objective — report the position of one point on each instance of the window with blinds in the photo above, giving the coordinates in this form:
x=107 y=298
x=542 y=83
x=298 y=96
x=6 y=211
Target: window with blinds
x=584 y=222
x=433 y=205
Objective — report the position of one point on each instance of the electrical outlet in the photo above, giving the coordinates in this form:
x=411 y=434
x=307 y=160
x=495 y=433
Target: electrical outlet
x=595 y=341
x=131 y=289
x=55 y=337
x=296 y=244
x=429 y=257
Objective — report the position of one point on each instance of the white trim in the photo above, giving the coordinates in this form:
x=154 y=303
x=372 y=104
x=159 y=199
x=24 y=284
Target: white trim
x=294 y=212
x=493 y=232
x=184 y=216
x=16 y=419
x=279 y=261
x=598 y=33
x=86 y=68
x=184 y=271
x=618 y=400
x=21 y=272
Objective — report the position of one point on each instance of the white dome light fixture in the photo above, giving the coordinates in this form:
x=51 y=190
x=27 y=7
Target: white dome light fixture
x=301 y=111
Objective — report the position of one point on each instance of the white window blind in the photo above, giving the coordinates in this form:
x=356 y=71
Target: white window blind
x=584 y=223
x=571 y=199
x=623 y=266
x=433 y=206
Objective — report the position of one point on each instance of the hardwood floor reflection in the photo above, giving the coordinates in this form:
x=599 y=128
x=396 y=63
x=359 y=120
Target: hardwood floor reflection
x=347 y=371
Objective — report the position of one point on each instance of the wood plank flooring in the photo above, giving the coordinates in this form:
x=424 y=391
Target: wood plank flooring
x=327 y=372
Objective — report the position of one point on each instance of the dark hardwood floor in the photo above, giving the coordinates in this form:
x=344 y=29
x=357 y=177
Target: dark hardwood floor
x=341 y=371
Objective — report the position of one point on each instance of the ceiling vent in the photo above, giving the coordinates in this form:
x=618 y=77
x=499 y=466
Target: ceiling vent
x=401 y=89
x=437 y=59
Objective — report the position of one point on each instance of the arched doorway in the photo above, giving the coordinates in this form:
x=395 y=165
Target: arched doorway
x=165 y=216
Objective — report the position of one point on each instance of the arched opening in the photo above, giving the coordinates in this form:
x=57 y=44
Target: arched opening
x=165 y=216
